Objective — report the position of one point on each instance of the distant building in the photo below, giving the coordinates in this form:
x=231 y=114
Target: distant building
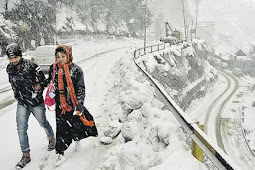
x=242 y=61
x=240 y=53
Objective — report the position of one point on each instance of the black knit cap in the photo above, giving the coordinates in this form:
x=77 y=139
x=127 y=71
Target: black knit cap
x=13 y=50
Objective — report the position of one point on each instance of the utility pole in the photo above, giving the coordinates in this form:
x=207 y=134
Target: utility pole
x=145 y=13
x=197 y=2
x=191 y=31
x=184 y=21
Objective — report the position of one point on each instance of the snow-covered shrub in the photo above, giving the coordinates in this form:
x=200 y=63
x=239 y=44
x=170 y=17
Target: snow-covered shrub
x=177 y=67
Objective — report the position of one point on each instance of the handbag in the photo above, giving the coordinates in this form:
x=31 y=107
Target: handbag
x=50 y=94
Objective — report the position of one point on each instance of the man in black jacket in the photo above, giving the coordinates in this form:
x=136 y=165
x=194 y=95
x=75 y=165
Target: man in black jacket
x=26 y=80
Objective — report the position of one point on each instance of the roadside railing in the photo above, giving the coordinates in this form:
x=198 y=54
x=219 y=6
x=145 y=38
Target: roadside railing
x=149 y=49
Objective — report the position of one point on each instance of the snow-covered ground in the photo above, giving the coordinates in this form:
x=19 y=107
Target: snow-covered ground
x=139 y=132
x=121 y=100
x=135 y=131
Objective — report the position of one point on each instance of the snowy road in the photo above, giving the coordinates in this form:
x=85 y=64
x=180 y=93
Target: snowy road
x=213 y=117
x=6 y=95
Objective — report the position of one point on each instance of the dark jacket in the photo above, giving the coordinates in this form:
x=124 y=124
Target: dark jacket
x=78 y=83
x=23 y=81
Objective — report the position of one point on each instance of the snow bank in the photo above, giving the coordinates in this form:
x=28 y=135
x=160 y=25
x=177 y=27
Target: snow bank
x=141 y=134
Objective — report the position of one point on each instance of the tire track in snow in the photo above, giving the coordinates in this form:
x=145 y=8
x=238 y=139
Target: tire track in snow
x=222 y=107
x=215 y=116
x=209 y=113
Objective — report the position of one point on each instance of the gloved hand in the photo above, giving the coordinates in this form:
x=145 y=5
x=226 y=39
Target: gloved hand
x=78 y=113
x=78 y=110
x=37 y=87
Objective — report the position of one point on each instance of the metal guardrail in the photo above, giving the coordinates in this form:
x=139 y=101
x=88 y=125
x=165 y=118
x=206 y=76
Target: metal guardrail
x=149 y=49
x=220 y=159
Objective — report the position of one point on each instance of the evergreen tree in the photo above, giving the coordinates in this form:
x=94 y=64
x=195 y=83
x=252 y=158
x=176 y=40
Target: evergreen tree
x=34 y=20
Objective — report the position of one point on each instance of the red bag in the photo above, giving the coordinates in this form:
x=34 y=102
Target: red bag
x=50 y=94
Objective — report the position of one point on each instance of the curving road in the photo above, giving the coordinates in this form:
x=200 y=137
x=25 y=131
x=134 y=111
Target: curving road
x=225 y=130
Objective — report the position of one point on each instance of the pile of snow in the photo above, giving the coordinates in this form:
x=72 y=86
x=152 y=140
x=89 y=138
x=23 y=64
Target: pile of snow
x=141 y=134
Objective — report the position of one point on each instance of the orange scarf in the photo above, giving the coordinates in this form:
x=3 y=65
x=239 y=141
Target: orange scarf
x=64 y=106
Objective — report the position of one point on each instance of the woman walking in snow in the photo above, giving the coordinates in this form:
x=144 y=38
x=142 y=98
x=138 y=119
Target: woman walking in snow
x=73 y=120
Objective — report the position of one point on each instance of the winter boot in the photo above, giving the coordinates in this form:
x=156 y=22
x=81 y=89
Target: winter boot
x=60 y=160
x=52 y=143
x=24 y=160
x=77 y=146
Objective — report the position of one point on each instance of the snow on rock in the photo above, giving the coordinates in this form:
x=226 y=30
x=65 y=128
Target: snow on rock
x=188 y=74
x=189 y=52
x=113 y=129
x=106 y=140
x=148 y=136
x=211 y=72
